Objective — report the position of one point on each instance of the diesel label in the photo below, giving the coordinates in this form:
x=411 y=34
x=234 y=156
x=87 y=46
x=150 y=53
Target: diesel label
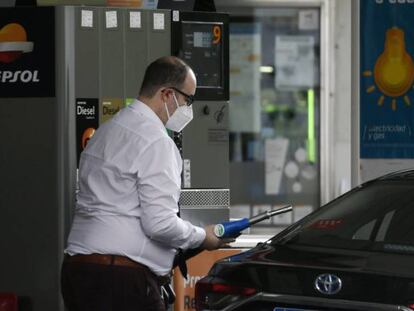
x=90 y=111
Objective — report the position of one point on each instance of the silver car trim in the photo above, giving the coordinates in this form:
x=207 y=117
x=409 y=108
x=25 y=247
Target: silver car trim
x=315 y=302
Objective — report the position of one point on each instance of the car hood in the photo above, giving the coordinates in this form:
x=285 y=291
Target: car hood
x=327 y=258
x=281 y=269
x=306 y=257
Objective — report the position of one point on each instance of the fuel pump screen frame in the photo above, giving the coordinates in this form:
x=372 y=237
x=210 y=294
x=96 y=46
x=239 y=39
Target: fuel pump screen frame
x=201 y=40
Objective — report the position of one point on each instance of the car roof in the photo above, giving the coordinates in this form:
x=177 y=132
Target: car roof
x=402 y=174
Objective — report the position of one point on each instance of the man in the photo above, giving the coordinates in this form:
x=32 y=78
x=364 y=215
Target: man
x=126 y=231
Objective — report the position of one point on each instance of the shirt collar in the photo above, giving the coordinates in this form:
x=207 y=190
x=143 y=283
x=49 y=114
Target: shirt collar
x=141 y=107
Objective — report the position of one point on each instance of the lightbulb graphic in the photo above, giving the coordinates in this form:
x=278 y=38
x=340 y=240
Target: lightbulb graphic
x=393 y=70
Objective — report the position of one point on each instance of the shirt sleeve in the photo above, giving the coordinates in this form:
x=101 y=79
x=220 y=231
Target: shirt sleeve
x=159 y=184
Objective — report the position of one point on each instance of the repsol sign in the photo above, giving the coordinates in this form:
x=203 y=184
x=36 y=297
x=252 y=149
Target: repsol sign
x=25 y=76
x=27 y=52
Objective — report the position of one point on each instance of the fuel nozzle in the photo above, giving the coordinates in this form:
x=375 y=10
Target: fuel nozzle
x=231 y=229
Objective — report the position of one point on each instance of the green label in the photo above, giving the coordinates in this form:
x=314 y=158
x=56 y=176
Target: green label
x=219 y=230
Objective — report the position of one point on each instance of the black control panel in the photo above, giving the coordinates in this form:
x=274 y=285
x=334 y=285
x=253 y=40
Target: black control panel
x=202 y=40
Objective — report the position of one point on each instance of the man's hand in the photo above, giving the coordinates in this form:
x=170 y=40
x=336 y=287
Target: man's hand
x=212 y=242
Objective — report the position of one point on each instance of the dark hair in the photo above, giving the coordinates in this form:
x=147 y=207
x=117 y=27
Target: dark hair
x=167 y=71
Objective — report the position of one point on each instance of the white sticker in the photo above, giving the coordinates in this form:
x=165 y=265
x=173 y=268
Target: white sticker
x=158 y=21
x=111 y=19
x=176 y=16
x=187 y=173
x=86 y=18
x=295 y=62
x=308 y=20
x=134 y=19
x=300 y=155
x=297 y=187
x=291 y=169
x=275 y=158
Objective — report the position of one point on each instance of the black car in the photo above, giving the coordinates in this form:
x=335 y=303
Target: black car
x=354 y=253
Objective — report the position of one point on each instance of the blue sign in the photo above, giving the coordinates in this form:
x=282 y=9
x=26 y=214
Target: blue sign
x=386 y=79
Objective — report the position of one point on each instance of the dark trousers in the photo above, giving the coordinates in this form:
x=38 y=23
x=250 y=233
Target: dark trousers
x=95 y=287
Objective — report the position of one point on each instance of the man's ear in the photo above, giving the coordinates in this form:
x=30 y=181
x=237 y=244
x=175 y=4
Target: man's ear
x=165 y=94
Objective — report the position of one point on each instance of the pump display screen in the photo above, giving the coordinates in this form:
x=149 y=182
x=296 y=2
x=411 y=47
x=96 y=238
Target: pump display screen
x=202 y=49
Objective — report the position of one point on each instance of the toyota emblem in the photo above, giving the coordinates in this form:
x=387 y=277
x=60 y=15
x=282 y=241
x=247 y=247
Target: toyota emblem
x=328 y=284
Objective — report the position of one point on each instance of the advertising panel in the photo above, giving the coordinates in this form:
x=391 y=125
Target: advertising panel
x=87 y=121
x=27 y=52
x=109 y=107
x=386 y=79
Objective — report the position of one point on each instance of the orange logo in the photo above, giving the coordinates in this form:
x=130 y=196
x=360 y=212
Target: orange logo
x=13 y=42
x=87 y=134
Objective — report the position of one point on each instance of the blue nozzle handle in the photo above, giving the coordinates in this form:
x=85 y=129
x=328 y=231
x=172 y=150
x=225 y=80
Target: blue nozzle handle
x=229 y=229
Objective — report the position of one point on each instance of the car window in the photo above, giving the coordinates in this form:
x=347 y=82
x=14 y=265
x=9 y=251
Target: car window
x=376 y=216
x=365 y=231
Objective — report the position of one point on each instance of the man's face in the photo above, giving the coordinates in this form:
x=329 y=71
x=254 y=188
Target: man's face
x=189 y=88
x=170 y=98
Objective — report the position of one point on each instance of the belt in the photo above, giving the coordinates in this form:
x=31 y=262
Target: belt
x=114 y=260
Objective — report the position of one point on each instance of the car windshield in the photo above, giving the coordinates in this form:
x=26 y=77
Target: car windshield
x=377 y=217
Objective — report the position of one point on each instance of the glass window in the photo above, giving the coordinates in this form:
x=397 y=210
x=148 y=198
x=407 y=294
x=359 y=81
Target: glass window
x=274 y=111
x=378 y=216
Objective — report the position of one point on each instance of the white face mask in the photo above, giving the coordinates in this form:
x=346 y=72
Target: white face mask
x=180 y=118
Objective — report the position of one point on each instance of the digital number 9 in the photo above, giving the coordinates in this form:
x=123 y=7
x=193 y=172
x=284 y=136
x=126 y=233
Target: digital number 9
x=216 y=34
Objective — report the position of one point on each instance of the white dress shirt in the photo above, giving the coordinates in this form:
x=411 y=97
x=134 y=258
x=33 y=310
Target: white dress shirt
x=129 y=186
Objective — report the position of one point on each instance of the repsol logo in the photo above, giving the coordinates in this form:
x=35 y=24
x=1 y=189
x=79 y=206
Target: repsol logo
x=82 y=111
x=24 y=76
